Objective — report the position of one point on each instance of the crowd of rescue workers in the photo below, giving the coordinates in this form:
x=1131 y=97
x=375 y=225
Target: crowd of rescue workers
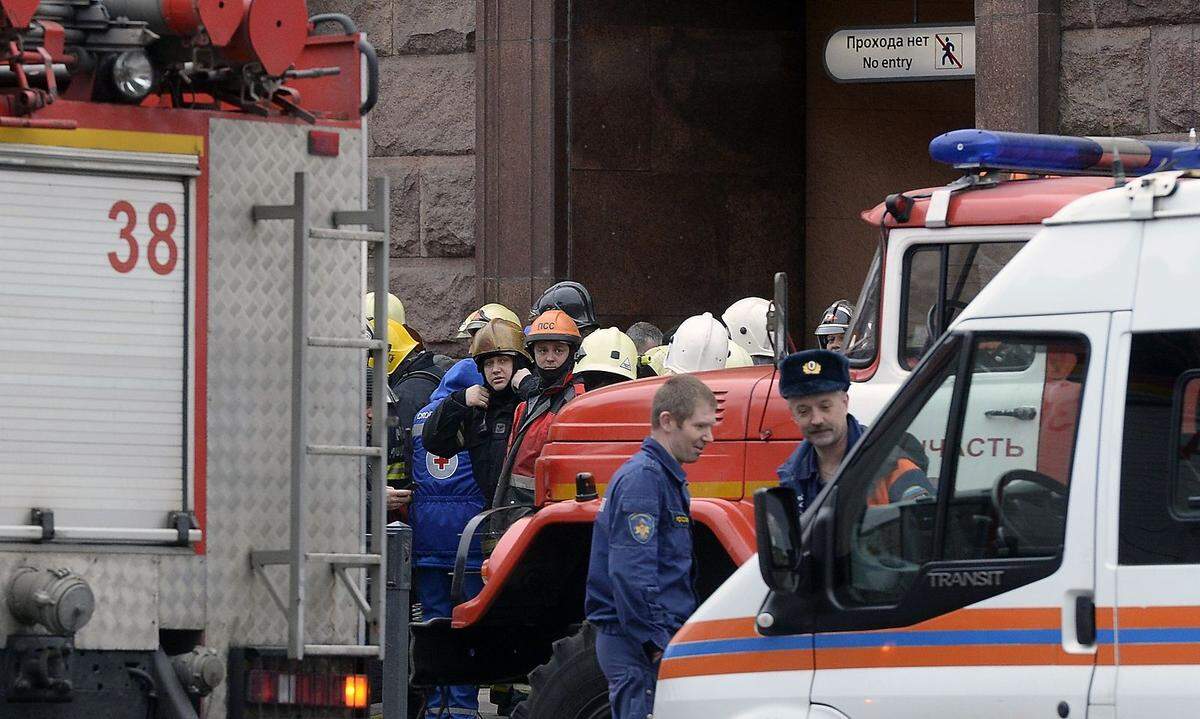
x=464 y=437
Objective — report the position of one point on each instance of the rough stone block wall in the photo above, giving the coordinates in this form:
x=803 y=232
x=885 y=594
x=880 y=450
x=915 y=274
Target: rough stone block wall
x=422 y=137
x=1130 y=67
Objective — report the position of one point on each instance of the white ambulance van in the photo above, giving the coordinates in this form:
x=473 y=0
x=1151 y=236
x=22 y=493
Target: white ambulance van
x=1069 y=589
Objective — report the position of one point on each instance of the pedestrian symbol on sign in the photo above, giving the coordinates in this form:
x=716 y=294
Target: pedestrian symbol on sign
x=947 y=50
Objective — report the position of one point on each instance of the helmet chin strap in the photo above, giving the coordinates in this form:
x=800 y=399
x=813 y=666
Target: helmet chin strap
x=551 y=377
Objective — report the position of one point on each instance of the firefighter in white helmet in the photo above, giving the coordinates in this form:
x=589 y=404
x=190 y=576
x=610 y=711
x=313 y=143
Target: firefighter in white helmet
x=701 y=343
x=606 y=357
x=738 y=356
x=480 y=317
x=831 y=333
x=747 y=323
x=395 y=308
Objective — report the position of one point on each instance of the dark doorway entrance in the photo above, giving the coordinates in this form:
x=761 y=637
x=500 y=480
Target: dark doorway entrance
x=685 y=153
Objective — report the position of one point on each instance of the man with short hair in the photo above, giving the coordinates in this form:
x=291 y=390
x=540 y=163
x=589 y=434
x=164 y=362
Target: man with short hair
x=815 y=384
x=645 y=336
x=639 y=587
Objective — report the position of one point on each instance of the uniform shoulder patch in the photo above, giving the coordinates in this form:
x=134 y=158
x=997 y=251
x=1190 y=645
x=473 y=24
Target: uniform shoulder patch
x=440 y=467
x=641 y=526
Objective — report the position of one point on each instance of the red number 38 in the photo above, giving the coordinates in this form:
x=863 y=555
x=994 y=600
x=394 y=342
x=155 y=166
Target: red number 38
x=162 y=227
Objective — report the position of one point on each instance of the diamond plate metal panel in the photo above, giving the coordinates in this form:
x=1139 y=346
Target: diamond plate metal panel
x=182 y=592
x=249 y=379
x=126 y=591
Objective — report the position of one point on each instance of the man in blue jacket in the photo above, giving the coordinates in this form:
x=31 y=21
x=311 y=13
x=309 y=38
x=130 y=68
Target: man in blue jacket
x=640 y=584
x=815 y=384
x=445 y=497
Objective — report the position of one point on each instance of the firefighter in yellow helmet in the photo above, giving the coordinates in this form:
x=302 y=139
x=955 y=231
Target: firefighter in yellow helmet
x=395 y=308
x=413 y=375
x=738 y=356
x=606 y=357
x=650 y=364
x=480 y=317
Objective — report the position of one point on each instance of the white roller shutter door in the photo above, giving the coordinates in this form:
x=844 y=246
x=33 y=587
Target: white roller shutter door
x=93 y=354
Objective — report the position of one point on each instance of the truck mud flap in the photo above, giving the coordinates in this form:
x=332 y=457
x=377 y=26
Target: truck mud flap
x=442 y=655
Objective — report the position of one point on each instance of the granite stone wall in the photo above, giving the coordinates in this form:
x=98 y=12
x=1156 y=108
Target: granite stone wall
x=422 y=137
x=1129 y=67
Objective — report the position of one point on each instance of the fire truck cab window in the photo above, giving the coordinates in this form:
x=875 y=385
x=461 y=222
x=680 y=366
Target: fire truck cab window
x=940 y=281
x=1007 y=483
x=1160 y=451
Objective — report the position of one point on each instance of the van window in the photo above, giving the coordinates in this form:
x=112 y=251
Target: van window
x=904 y=500
x=1185 y=477
x=952 y=274
x=1160 y=451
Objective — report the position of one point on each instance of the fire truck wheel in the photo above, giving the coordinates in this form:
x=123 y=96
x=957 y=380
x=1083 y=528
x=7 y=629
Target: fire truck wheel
x=570 y=685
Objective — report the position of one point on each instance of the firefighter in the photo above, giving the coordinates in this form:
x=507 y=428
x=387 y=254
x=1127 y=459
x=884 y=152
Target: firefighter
x=815 y=385
x=480 y=317
x=397 y=497
x=445 y=497
x=413 y=375
x=479 y=418
x=395 y=308
x=831 y=333
x=572 y=298
x=606 y=357
x=639 y=585
x=747 y=323
x=650 y=364
x=552 y=341
x=738 y=356
x=701 y=343
x=645 y=336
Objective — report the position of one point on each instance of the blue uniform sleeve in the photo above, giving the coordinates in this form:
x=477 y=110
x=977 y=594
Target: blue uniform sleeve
x=633 y=519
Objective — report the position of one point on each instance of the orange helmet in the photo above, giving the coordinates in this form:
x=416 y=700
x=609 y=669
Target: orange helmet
x=554 y=326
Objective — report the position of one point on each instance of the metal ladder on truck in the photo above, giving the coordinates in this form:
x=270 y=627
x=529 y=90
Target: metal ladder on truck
x=296 y=557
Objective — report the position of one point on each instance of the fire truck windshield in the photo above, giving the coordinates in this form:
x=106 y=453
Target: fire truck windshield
x=860 y=348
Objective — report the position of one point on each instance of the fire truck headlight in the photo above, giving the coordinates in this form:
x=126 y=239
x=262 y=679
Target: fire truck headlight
x=133 y=75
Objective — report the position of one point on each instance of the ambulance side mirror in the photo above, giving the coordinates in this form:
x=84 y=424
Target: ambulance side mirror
x=777 y=529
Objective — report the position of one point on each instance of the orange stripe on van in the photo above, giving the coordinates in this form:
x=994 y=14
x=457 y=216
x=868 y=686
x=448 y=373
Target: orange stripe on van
x=737 y=628
x=1129 y=654
x=1157 y=617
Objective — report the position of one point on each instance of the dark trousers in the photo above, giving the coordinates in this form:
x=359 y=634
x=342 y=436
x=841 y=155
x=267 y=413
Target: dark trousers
x=433 y=591
x=630 y=675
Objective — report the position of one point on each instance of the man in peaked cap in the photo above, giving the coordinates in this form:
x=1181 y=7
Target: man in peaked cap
x=815 y=384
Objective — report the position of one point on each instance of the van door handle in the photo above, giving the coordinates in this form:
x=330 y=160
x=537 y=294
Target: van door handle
x=1022 y=413
x=1085 y=621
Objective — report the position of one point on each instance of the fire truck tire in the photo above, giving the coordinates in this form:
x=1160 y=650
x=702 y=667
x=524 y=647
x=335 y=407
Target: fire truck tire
x=570 y=685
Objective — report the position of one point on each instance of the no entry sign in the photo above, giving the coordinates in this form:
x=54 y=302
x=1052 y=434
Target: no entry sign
x=901 y=53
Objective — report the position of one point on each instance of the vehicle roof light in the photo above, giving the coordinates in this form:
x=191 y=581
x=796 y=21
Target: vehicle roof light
x=1186 y=158
x=1050 y=154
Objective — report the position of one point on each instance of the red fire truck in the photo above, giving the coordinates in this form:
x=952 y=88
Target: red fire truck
x=184 y=227
x=938 y=248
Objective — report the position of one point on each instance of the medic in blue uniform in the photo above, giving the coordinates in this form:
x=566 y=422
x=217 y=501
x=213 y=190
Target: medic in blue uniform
x=815 y=384
x=445 y=497
x=640 y=576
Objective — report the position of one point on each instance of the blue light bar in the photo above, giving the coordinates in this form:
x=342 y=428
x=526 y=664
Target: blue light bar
x=1049 y=154
x=1186 y=158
